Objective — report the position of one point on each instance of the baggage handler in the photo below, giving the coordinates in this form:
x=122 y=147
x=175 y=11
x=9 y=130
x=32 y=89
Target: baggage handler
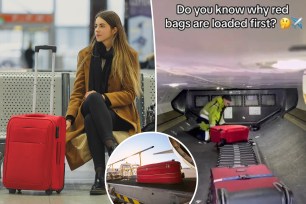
x=106 y=85
x=212 y=114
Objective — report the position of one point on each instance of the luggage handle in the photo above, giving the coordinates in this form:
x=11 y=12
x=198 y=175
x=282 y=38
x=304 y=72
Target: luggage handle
x=36 y=115
x=283 y=188
x=45 y=47
x=243 y=177
x=53 y=49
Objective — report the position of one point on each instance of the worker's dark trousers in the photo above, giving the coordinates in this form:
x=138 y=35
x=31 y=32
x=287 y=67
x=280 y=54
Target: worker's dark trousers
x=203 y=135
x=99 y=123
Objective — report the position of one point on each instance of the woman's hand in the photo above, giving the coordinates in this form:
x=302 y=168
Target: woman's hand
x=68 y=124
x=88 y=93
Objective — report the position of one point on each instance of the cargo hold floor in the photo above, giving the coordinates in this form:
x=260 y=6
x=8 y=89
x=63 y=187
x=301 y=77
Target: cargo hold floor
x=281 y=144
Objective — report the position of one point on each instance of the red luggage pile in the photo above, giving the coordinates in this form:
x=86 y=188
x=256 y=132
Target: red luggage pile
x=163 y=173
x=239 y=177
x=35 y=147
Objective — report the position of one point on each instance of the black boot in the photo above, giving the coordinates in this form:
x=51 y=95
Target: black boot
x=110 y=146
x=98 y=188
x=111 y=149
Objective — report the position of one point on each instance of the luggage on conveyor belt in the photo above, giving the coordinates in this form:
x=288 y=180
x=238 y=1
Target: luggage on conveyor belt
x=252 y=185
x=164 y=173
x=228 y=134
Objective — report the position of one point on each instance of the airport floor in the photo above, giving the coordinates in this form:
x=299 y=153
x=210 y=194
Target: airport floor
x=76 y=190
x=281 y=144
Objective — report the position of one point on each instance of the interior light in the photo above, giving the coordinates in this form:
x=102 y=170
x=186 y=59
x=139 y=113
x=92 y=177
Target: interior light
x=176 y=84
x=293 y=64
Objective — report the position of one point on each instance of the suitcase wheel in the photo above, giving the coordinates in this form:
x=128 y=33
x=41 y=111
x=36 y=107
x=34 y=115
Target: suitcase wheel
x=221 y=143
x=59 y=191
x=49 y=192
x=12 y=191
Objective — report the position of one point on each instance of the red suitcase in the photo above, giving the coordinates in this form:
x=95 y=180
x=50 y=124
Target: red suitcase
x=229 y=133
x=35 y=147
x=164 y=173
x=252 y=184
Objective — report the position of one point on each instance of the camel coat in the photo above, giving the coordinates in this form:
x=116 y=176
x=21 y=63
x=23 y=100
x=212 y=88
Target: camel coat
x=121 y=96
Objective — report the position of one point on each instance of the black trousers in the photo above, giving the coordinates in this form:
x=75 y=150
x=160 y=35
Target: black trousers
x=200 y=119
x=100 y=121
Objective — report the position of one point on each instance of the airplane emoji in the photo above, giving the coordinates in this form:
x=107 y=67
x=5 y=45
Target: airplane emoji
x=297 y=22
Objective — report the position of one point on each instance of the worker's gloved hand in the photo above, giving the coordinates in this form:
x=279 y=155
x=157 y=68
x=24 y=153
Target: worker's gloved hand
x=204 y=126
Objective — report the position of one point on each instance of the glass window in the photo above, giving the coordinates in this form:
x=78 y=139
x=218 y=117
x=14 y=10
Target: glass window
x=200 y=101
x=10 y=48
x=118 y=6
x=268 y=100
x=251 y=100
x=28 y=6
x=70 y=40
x=236 y=100
x=72 y=13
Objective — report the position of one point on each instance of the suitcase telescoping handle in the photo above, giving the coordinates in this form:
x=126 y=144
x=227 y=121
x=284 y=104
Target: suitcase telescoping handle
x=45 y=47
x=53 y=49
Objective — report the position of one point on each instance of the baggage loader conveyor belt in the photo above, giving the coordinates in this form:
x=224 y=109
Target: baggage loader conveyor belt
x=130 y=191
x=188 y=184
x=238 y=154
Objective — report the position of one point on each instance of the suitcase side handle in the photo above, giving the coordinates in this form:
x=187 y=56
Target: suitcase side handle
x=45 y=47
x=243 y=177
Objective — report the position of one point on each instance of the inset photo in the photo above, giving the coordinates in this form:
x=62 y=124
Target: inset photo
x=152 y=168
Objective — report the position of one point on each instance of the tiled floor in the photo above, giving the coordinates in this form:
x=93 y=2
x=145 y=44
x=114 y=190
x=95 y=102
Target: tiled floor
x=76 y=190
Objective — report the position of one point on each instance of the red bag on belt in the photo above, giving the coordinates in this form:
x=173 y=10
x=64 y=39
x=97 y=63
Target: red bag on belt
x=164 y=172
x=229 y=133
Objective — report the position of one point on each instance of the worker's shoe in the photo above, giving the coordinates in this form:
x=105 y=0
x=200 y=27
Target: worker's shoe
x=98 y=188
x=206 y=141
